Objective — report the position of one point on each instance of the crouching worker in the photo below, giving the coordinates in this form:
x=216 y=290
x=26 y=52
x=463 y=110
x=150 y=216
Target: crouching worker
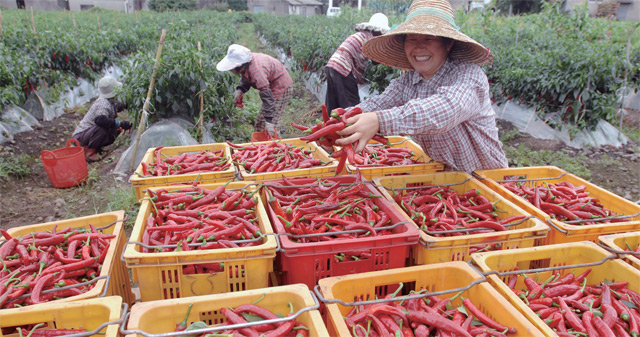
x=99 y=127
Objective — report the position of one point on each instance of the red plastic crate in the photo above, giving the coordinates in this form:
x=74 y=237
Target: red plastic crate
x=309 y=262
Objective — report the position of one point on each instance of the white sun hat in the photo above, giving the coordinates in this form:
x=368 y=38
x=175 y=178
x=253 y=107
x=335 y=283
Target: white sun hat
x=237 y=55
x=106 y=86
x=377 y=23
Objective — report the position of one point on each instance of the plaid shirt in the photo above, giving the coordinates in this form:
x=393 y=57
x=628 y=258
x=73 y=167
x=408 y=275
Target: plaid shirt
x=349 y=57
x=266 y=72
x=101 y=106
x=449 y=115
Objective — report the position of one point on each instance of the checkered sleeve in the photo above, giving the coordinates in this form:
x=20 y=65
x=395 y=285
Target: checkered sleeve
x=451 y=105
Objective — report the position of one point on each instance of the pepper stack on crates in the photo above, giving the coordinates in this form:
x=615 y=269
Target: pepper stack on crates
x=202 y=253
x=575 y=209
x=64 y=277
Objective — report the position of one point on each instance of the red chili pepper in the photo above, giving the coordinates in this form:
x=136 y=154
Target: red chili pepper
x=484 y=318
x=437 y=321
x=601 y=327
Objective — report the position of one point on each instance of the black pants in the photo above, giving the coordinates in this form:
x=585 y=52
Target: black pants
x=96 y=137
x=342 y=92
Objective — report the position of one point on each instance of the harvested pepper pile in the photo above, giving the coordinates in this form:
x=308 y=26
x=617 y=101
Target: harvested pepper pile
x=563 y=201
x=199 y=218
x=185 y=163
x=325 y=134
x=34 y=264
x=422 y=317
x=329 y=207
x=273 y=157
x=385 y=155
x=572 y=307
x=441 y=209
x=245 y=313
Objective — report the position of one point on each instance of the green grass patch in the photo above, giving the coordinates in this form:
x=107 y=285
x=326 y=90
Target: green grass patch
x=16 y=166
x=524 y=156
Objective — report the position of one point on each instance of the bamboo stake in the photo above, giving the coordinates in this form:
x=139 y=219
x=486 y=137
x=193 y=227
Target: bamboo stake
x=0 y=20
x=201 y=100
x=33 y=23
x=625 y=84
x=98 y=20
x=135 y=13
x=143 y=116
x=75 y=27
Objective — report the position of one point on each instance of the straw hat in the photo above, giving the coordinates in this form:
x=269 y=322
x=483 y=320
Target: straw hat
x=237 y=55
x=106 y=86
x=377 y=23
x=427 y=17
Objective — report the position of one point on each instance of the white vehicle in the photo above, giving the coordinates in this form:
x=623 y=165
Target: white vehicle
x=334 y=11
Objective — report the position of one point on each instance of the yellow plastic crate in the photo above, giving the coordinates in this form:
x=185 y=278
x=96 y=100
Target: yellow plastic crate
x=119 y=284
x=429 y=166
x=563 y=232
x=162 y=316
x=435 y=277
x=617 y=243
x=84 y=314
x=568 y=254
x=327 y=170
x=434 y=249
x=159 y=275
x=140 y=183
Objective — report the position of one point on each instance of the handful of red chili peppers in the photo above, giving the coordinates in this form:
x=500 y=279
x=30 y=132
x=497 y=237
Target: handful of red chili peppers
x=185 y=163
x=325 y=134
x=273 y=157
x=43 y=261
x=571 y=307
x=328 y=207
x=422 y=317
x=245 y=313
x=199 y=218
x=449 y=213
x=563 y=201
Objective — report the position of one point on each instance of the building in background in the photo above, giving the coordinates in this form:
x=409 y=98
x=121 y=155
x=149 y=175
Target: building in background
x=74 y=5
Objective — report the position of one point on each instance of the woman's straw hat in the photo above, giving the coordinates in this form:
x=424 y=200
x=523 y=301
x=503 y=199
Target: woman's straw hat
x=427 y=17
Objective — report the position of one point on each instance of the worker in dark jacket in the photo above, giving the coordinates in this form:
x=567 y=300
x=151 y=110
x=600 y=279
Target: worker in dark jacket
x=99 y=127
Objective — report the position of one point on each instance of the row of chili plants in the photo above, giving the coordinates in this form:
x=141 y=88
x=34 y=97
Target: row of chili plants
x=67 y=46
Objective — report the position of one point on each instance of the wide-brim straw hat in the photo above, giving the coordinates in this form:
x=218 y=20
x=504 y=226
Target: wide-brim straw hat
x=426 y=17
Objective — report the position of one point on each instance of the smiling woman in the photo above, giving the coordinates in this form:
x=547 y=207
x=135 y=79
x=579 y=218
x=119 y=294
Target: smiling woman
x=443 y=101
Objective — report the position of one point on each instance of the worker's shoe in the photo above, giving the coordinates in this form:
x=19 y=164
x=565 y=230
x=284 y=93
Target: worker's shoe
x=91 y=155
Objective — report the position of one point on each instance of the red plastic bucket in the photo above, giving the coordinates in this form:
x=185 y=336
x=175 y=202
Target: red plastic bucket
x=65 y=167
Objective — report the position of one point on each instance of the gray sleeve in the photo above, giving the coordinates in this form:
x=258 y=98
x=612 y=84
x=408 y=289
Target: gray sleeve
x=268 y=104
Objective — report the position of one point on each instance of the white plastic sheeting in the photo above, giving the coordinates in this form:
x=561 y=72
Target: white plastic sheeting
x=15 y=120
x=526 y=121
x=36 y=109
x=166 y=132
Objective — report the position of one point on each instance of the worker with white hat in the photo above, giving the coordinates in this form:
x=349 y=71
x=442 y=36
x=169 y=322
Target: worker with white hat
x=346 y=66
x=264 y=73
x=100 y=127
x=443 y=101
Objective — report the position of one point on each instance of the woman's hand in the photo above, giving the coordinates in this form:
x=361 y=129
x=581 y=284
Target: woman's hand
x=363 y=127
